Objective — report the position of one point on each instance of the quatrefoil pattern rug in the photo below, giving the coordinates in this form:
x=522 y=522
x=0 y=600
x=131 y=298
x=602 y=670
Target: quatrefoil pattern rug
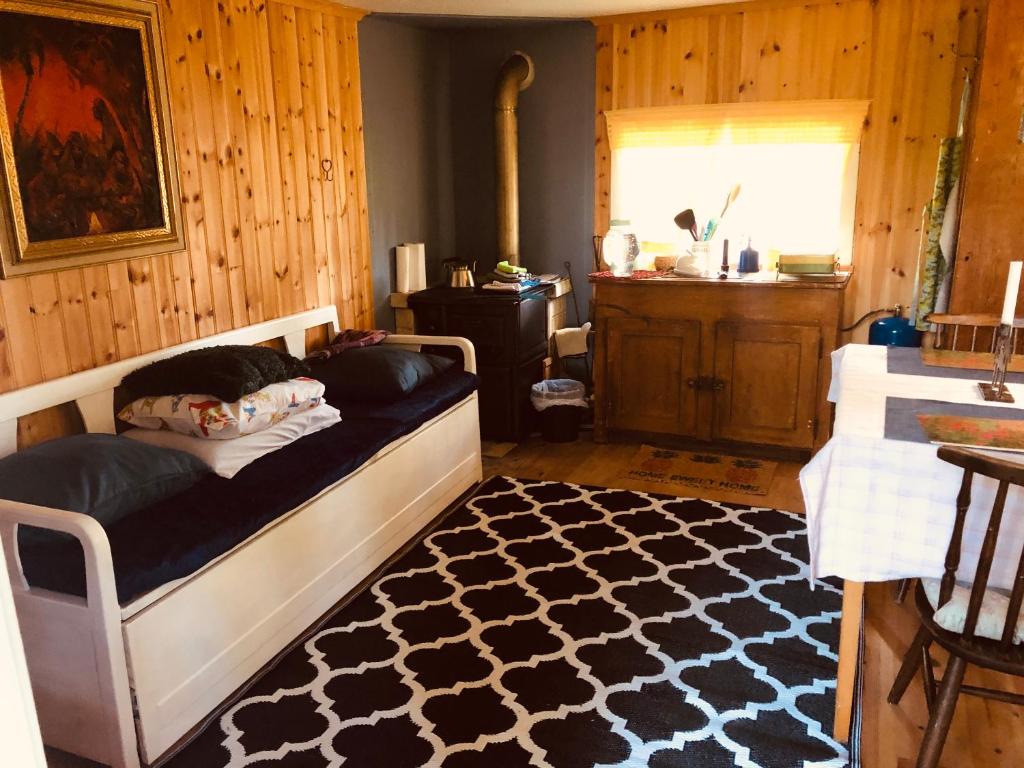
x=548 y=624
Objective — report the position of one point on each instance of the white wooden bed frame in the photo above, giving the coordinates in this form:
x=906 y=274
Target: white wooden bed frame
x=117 y=683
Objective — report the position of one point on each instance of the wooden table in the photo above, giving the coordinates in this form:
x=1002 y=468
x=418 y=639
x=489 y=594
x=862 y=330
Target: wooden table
x=849 y=656
x=882 y=509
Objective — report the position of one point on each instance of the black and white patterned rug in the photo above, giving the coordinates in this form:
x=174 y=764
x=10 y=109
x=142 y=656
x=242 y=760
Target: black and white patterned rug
x=548 y=624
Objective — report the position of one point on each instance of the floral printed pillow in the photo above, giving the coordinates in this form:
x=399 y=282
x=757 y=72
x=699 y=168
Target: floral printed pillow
x=205 y=416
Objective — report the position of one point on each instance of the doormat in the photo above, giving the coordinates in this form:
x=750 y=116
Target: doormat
x=694 y=470
x=490 y=449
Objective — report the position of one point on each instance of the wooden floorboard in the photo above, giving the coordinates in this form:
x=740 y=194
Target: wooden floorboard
x=984 y=734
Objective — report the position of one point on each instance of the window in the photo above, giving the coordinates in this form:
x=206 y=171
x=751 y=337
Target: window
x=796 y=164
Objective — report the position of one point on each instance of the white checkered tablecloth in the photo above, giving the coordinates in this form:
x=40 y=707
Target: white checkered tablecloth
x=881 y=509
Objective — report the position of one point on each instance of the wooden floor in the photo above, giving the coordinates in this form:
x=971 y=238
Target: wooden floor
x=985 y=734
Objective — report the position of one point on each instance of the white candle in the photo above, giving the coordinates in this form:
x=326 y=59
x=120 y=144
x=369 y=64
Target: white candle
x=1010 y=299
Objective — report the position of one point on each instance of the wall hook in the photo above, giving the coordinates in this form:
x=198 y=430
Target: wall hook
x=328 y=169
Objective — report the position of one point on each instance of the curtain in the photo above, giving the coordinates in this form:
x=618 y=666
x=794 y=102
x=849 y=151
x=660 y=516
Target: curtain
x=938 y=241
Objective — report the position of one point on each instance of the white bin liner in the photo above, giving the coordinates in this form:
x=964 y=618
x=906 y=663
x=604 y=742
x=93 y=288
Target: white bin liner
x=545 y=394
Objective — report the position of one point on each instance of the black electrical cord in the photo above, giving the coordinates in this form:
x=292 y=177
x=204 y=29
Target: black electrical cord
x=865 y=316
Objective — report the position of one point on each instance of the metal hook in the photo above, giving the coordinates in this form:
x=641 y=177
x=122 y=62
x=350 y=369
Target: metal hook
x=328 y=169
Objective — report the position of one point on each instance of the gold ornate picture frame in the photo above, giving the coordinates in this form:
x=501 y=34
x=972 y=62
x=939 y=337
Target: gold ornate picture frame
x=88 y=173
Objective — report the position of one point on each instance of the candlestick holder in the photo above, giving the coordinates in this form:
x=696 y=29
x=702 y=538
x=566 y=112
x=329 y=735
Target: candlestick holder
x=997 y=390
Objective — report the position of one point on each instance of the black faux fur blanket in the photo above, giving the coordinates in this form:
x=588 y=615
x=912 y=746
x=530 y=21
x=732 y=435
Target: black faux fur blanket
x=227 y=373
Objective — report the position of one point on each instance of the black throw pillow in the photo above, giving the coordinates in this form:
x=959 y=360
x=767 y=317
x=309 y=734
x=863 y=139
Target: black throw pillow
x=379 y=374
x=228 y=373
x=103 y=476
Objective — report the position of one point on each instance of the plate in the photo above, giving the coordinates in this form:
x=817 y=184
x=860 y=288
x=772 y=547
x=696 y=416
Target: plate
x=677 y=273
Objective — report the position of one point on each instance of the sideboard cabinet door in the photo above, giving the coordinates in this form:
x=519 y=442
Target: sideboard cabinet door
x=767 y=376
x=651 y=368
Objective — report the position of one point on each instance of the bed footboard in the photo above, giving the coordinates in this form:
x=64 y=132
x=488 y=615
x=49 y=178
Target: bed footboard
x=74 y=646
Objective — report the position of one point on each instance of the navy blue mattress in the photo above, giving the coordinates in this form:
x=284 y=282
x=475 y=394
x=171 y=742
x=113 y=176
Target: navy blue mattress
x=180 y=535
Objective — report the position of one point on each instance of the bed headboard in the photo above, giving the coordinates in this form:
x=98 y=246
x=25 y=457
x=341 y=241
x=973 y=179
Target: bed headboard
x=93 y=390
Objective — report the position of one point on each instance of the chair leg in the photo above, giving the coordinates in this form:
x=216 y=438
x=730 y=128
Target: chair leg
x=942 y=715
x=911 y=663
x=900 y=593
x=928 y=678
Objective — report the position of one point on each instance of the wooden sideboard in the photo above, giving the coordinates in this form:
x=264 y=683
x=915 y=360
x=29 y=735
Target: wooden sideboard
x=730 y=361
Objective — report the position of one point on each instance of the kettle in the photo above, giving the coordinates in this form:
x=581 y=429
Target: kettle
x=460 y=274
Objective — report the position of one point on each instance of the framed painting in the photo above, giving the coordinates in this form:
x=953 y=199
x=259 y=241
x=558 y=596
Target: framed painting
x=87 y=173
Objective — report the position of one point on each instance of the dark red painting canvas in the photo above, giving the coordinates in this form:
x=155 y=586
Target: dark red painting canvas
x=81 y=127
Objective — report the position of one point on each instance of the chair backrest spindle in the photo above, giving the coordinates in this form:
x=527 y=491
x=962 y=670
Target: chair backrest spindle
x=988 y=551
x=1016 y=599
x=963 y=501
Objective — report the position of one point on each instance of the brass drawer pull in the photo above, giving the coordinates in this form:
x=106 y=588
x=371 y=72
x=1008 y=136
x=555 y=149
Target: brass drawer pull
x=706 y=383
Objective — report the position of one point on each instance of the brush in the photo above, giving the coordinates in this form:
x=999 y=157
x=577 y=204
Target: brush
x=733 y=194
x=712 y=227
x=686 y=221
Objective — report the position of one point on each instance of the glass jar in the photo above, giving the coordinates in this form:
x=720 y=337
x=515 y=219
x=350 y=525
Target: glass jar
x=620 y=248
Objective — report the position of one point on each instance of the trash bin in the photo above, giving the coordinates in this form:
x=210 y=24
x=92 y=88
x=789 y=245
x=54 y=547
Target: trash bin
x=560 y=403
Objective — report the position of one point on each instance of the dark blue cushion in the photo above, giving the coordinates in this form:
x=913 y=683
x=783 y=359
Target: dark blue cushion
x=103 y=476
x=379 y=374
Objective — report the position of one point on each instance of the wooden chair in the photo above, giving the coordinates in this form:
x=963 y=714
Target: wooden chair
x=970 y=333
x=964 y=647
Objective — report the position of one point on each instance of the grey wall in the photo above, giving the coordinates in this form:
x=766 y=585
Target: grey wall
x=406 y=109
x=428 y=90
x=556 y=145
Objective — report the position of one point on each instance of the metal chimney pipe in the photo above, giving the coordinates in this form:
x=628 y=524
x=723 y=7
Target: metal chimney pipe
x=516 y=75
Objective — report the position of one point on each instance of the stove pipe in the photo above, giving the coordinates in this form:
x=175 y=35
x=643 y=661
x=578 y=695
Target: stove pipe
x=516 y=75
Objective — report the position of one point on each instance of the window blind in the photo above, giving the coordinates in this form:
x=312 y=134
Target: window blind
x=833 y=121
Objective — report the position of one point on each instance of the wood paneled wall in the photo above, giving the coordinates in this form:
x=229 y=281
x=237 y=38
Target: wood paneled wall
x=262 y=93
x=906 y=56
x=993 y=199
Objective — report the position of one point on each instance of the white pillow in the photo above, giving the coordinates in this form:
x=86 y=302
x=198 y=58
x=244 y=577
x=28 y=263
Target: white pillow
x=227 y=457
x=207 y=417
x=991 y=620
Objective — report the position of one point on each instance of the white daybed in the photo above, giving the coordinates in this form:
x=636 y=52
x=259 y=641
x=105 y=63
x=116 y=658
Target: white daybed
x=114 y=683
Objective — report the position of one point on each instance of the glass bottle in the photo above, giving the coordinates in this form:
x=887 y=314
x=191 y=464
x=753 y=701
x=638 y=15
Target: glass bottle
x=620 y=248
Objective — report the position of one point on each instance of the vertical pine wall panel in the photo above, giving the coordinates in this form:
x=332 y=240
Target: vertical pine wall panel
x=261 y=94
x=906 y=56
x=990 y=222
